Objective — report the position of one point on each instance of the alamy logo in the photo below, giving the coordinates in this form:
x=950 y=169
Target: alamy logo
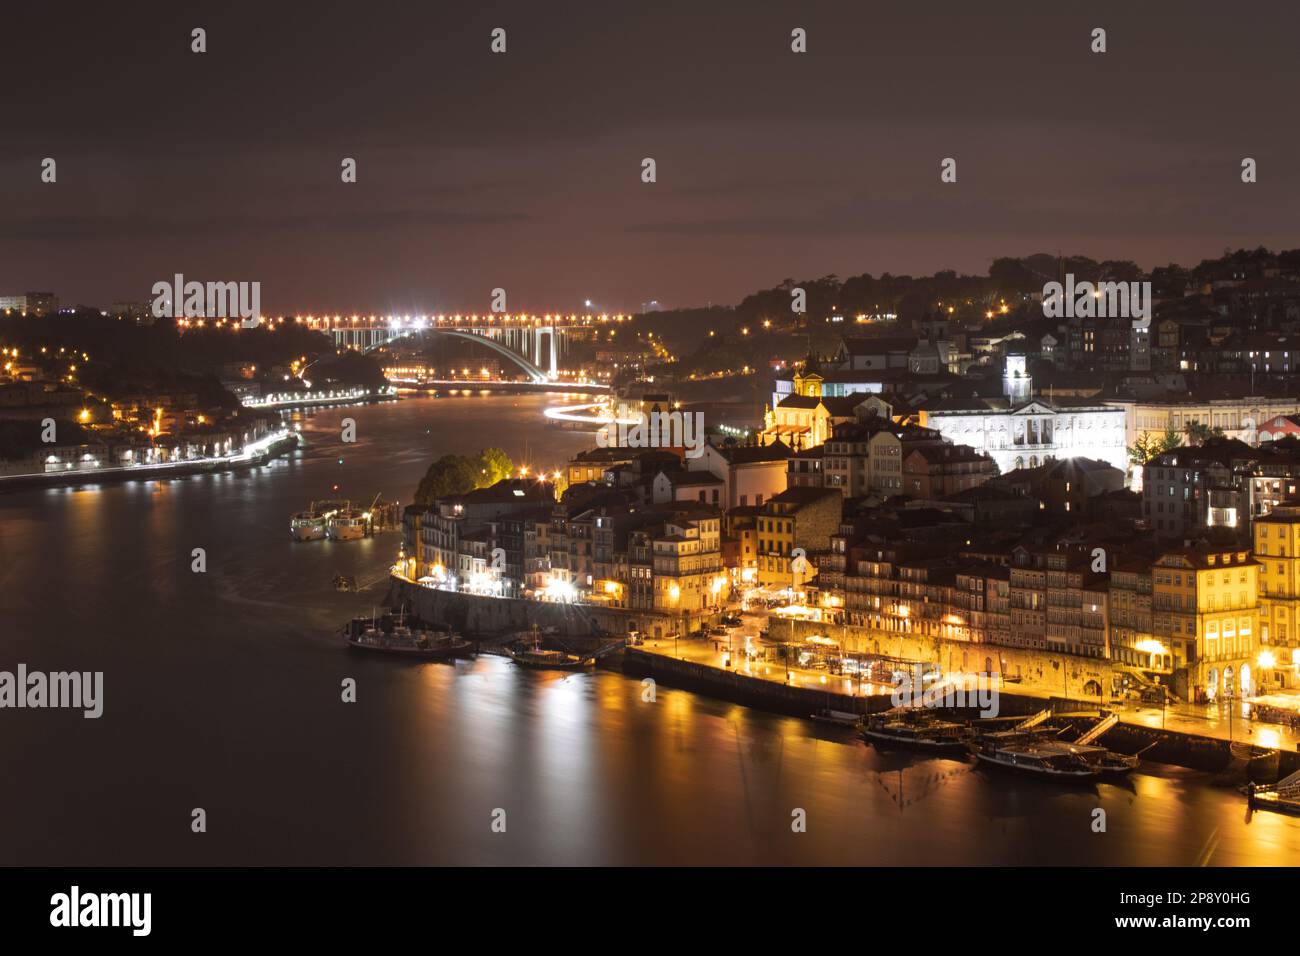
x=657 y=430
x=75 y=690
x=1122 y=300
x=75 y=908
x=179 y=299
x=911 y=691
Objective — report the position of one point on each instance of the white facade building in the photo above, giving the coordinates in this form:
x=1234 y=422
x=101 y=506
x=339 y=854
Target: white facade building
x=1018 y=431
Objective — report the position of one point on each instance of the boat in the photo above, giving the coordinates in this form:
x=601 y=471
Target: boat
x=308 y=526
x=546 y=659
x=530 y=653
x=837 y=718
x=917 y=729
x=347 y=525
x=344 y=582
x=1035 y=755
x=396 y=636
x=1111 y=763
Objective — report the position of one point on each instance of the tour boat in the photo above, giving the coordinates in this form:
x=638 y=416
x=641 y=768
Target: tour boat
x=916 y=729
x=308 y=526
x=347 y=525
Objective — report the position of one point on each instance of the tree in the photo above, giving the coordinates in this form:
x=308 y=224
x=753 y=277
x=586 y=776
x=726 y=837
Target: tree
x=449 y=475
x=1198 y=433
x=461 y=474
x=1148 y=446
x=494 y=464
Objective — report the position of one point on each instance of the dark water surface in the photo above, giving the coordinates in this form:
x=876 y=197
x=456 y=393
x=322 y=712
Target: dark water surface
x=222 y=691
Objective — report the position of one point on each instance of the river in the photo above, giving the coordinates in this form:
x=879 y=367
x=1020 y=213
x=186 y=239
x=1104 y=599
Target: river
x=222 y=691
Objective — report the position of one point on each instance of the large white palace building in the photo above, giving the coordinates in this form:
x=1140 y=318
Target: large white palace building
x=1020 y=431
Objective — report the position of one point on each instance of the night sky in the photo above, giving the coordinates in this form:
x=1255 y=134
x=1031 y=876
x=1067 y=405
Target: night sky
x=522 y=170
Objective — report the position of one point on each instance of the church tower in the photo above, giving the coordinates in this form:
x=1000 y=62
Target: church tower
x=1016 y=383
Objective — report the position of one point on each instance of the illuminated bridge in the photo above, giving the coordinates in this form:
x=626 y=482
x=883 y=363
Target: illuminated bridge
x=532 y=342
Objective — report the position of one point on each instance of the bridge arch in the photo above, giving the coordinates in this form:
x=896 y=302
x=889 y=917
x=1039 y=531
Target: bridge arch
x=535 y=373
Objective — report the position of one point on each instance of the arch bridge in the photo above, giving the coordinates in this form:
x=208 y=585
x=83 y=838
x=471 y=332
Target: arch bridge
x=521 y=338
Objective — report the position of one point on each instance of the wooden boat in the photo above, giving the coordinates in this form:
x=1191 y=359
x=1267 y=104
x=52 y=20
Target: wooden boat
x=1048 y=759
x=530 y=653
x=1111 y=763
x=546 y=659
x=397 y=637
x=917 y=730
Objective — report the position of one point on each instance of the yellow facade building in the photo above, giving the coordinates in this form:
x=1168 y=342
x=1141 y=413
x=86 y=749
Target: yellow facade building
x=1277 y=549
x=1205 y=609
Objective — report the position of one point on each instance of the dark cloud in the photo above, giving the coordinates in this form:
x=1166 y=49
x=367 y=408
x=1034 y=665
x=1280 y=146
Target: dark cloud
x=523 y=170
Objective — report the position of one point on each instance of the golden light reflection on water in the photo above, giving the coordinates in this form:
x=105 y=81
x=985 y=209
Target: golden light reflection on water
x=686 y=779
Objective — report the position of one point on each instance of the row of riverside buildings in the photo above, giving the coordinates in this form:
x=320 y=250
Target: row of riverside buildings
x=894 y=493
x=1059 y=559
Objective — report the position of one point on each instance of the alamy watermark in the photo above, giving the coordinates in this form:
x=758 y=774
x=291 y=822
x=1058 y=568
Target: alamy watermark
x=76 y=690
x=77 y=909
x=657 y=430
x=1123 y=300
x=912 y=692
x=179 y=299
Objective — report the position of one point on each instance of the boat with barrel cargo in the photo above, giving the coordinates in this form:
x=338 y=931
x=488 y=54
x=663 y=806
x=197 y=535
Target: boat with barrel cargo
x=398 y=636
x=917 y=730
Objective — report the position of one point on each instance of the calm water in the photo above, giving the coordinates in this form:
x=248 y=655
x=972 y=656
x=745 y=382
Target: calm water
x=222 y=692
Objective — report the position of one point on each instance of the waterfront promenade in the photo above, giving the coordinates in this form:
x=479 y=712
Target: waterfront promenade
x=1211 y=722
x=255 y=453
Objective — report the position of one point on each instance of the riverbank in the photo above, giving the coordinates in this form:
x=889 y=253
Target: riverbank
x=1161 y=745
x=268 y=448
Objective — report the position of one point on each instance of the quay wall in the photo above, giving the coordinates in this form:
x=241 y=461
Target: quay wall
x=1165 y=746
x=742 y=689
x=476 y=616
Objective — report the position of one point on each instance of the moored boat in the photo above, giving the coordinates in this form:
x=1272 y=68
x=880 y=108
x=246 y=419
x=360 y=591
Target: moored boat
x=347 y=525
x=918 y=730
x=308 y=526
x=389 y=636
x=548 y=659
x=1036 y=756
x=528 y=652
